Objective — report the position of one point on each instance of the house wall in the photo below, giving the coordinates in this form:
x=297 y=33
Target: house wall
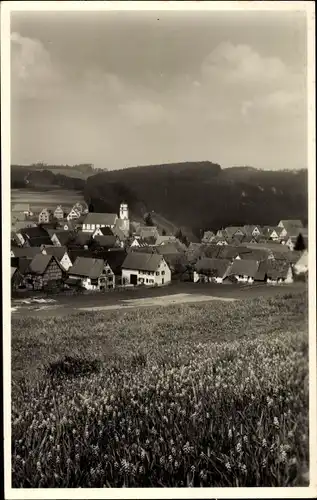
x=45 y=216
x=90 y=228
x=55 y=241
x=106 y=279
x=244 y=279
x=59 y=213
x=52 y=273
x=149 y=278
x=66 y=262
x=73 y=214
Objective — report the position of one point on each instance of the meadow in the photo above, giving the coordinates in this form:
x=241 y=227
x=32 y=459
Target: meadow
x=49 y=198
x=202 y=395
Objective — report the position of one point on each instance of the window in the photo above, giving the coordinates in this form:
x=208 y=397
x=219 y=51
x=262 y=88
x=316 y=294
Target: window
x=157 y=273
x=110 y=278
x=146 y=280
x=162 y=273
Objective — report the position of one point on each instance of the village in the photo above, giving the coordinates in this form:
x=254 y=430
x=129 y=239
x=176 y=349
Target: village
x=78 y=250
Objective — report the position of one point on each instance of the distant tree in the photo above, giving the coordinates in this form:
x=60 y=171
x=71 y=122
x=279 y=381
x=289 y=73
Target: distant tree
x=91 y=207
x=163 y=232
x=148 y=220
x=182 y=237
x=300 y=243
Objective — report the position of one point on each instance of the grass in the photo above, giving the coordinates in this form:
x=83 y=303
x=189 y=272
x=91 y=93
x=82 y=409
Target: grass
x=191 y=395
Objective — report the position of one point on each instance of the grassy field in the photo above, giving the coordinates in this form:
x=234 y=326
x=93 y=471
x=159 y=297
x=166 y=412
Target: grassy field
x=190 y=395
x=49 y=198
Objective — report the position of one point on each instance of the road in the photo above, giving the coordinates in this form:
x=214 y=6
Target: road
x=175 y=293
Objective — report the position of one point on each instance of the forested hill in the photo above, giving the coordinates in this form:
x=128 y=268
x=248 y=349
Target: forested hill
x=192 y=195
x=201 y=195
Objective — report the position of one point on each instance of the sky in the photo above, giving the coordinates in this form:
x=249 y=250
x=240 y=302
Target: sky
x=121 y=89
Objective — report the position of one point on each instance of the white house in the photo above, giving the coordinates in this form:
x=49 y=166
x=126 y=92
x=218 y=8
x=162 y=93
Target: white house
x=301 y=265
x=94 y=220
x=73 y=214
x=145 y=269
x=59 y=212
x=243 y=271
x=45 y=215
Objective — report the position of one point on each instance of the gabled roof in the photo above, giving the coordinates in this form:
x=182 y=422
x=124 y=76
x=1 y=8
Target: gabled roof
x=303 y=259
x=139 y=261
x=100 y=218
x=39 y=264
x=106 y=231
x=208 y=236
x=87 y=267
x=291 y=223
x=65 y=237
x=82 y=238
x=277 y=269
x=34 y=232
x=21 y=263
x=58 y=252
x=42 y=240
x=162 y=240
x=108 y=241
x=254 y=254
x=29 y=252
x=147 y=231
x=249 y=228
x=214 y=267
x=168 y=249
x=231 y=230
x=243 y=268
x=114 y=258
x=73 y=253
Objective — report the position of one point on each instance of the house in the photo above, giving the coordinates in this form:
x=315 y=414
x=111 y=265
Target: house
x=62 y=238
x=220 y=240
x=107 y=241
x=59 y=212
x=27 y=234
x=175 y=259
x=232 y=231
x=68 y=225
x=252 y=230
x=43 y=271
x=60 y=254
x=45 y=215
x=212 y=269
x=15 y=240
x=147 y=232
x=73 y=214
x=25 y=252
x=16 y=279
x=290 y=223
x=115 y=258
x=243 y=271
x=162 y=240
x=146 y=269
x=208 y=237
x=138 y=243
x=81 y=207
x=103 y=231
x=91 y=274
x=301 y=266
x=279 y=272
x=18 y=225
x=95 y=220
x=120 y=234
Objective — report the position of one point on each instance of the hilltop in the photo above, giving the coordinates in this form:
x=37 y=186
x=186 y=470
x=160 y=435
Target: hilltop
x=192 y=196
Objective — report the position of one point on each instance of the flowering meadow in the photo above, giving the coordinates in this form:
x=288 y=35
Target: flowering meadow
x=183 y=396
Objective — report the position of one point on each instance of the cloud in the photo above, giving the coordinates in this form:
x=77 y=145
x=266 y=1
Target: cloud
x=143 y=112
x=32 y=71
x=240 y=64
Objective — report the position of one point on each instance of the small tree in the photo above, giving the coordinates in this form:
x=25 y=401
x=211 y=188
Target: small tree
x=148 y=220
x=163 y=232
x=300 y=243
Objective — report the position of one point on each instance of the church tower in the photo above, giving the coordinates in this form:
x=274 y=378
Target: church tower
x=124 y=217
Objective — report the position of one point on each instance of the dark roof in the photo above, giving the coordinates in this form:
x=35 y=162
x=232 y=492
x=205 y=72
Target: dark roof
x=168 y=249
x=34 y=232
x=114 y=258
x=106 y=231
x=42 y=240
x=39 y=264
x=261 y=272
x=65 y=237
x=108 y=241
x=277 y=269
x=87 y=267
x=243 y=268
x=140 y=261
x=100 y=218
x=214 y=267
x=58 y=252
x=82 y=238
x=26 y=251
x=254 y=254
